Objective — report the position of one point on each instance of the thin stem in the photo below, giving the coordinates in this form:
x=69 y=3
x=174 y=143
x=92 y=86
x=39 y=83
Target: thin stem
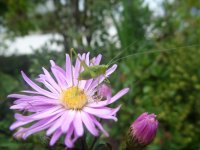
x=93 y=143
x=83 y=142
x=95 y=139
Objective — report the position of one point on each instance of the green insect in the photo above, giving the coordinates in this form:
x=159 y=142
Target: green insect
x=91 y=71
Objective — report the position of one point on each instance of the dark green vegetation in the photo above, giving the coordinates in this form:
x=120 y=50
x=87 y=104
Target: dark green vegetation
x=166 y=83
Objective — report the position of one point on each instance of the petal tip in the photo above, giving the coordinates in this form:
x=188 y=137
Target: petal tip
x=10 y=96
x=12 y=127
x=22 y=72
x=126 y=90
x=52 y=63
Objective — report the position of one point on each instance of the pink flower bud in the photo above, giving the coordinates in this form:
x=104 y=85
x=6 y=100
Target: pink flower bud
x=142 y=131
x=105 y=91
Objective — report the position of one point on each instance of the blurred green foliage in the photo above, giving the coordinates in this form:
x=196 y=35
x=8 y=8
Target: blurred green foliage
x=165 y=83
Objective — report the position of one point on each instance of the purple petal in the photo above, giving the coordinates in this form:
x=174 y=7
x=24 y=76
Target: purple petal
x=40 y=108
x=41 y=125
x=49 y=86
x=68 y=142
x=88 y=122
x=60 y=78
x=68 y=120
x=37 y=88
x=19 y=123
x=98 y=124
x=78 y=125
x=99 y=111
x=87 y=59
x=16 y=96
x=106 y=113
x=112 y=100
x=30 y=92
x=41 y=99
x=108 y=117
x=82 y=83
x=55 y=137
x=20 y=117
x=53 y=64
x=57 y=124
x=49 y=78
x=98 y=59
x=46 y=113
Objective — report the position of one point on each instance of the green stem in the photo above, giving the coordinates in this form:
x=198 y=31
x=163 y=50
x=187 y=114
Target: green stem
x=83 y=143
x=95 y=139
x=93 y=143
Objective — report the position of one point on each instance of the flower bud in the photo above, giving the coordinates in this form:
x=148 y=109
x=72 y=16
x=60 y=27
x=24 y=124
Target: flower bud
x=142 y=131
x=105 y=91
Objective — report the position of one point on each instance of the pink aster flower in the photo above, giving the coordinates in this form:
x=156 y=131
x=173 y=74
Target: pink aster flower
x=64 y=105
x=143 y=130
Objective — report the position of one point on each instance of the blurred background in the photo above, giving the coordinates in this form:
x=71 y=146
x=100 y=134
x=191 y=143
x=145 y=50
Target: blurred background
x=166 y=83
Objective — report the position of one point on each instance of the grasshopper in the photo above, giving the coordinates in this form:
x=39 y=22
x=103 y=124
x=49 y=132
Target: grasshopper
x=95 y=70
x=90 y=71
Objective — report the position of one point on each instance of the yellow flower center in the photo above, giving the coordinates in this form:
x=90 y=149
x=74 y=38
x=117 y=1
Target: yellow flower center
x=74 y=98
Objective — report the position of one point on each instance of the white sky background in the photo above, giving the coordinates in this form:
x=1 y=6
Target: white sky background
x=155 y=6
x=27 y=44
